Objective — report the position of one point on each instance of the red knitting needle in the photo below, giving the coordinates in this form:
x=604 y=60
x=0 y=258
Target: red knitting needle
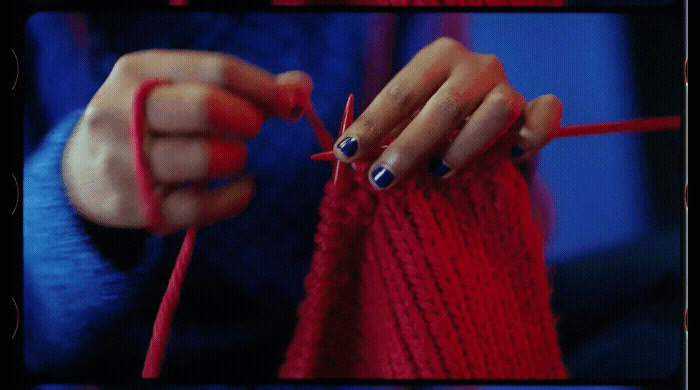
x=340 y=172
x=324 y=136
x=663 y=123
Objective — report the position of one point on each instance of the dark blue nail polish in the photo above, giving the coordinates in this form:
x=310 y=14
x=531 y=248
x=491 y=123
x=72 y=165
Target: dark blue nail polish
x=517 y=151
x=348 y=146
x=382 y=177
x=438 y=167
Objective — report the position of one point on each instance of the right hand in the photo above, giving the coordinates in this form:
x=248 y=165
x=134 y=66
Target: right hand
x=196 y=128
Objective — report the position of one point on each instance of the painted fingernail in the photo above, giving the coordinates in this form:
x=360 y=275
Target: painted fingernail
x=382 y=177
x=348 y=146
x=439 y=167
x=517 y=151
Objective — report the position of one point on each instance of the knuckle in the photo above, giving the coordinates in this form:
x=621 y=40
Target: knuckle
x=181 y=207
x=450 y=44
x=296 y=79
x=92 y=117
x=551 y=100
x=493 y=64
x=116 y=166
x=553 y=103
x=129 y=63
x=507 y=99
x=399 y=96
x=102 y=119
x=132 y=63
x=368 y=129
x=450 y=107
x=500 y=99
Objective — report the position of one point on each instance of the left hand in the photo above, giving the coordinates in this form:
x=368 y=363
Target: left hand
x=431 y=97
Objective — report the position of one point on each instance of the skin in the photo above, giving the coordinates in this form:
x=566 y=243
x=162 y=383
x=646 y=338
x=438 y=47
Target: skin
x=431 y=97
x=216 y=102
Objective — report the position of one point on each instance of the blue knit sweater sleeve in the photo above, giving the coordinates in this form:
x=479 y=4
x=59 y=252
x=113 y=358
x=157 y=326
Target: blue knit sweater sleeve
x=76 y=275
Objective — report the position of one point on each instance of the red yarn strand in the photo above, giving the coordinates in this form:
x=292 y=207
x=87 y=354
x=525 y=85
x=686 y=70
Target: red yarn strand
x=155 y=356
x=137 y=132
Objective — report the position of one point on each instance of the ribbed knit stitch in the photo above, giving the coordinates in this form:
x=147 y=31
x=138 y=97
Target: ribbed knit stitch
x=429 y=279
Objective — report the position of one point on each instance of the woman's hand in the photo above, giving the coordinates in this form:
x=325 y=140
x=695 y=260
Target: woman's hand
x=430 y=98
x=196 y=128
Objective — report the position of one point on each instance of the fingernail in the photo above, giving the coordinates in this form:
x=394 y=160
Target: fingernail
x=382 y=177
x=517 y=151
x=348 y=146
x=439 y=167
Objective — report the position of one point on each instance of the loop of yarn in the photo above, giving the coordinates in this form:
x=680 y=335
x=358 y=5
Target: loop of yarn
x=155 y=356
x=137 y=133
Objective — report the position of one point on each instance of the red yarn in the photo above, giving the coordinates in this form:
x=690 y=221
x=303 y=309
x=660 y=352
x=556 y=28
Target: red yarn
x=428 y=279
x=137 y=132
x=155 y=356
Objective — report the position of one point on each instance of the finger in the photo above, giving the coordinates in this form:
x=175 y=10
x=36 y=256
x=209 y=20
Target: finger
x=456 y=99
x=228 y=201
x=189 y=206
x=407 y=91
x=294 y=89
x=181 y=207
x=239 y=77
x=182 y=159
x=191 y=108
x=542 y=118
x=499 y=110
x=398 y=129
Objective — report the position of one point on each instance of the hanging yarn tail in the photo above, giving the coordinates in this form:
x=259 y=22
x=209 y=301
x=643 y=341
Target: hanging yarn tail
x=155 y=356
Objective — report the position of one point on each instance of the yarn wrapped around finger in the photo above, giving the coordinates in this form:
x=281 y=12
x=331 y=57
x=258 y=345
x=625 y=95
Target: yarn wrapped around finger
x=432 y=278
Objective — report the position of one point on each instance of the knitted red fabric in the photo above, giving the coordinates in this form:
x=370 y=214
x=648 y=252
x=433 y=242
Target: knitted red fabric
x=428 y=279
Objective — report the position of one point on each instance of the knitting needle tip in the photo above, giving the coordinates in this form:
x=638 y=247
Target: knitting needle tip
x=347 y=114
x=344 y=124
